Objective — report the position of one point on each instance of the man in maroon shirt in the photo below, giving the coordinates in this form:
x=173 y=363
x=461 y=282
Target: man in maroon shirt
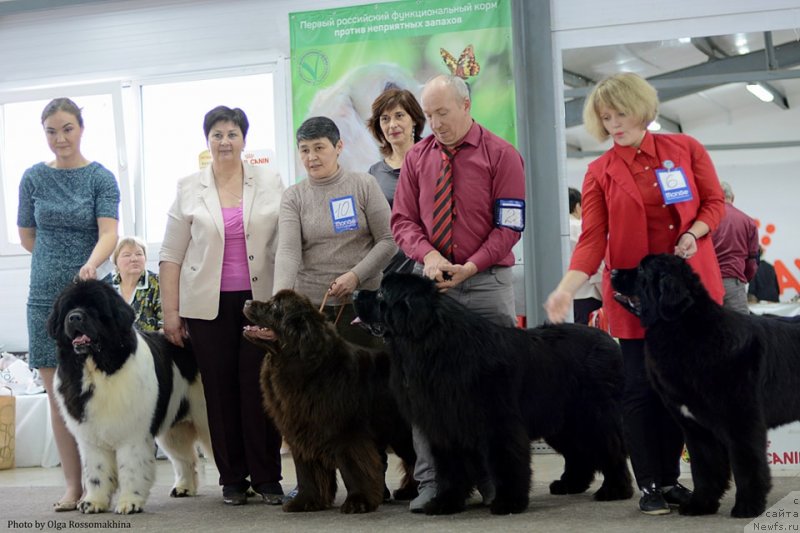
x=488 y=216
x=736 y=245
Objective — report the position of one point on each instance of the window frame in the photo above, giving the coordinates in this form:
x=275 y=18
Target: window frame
x=126 y=97
x=282 y=111
x=114 y=89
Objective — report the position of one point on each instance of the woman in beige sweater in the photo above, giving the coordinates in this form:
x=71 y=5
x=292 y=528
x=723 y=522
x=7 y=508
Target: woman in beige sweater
x=334 y=234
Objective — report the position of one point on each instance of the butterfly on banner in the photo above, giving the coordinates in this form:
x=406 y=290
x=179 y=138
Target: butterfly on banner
x=465 y=67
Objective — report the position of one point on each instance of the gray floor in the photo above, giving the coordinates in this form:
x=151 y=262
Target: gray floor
x=26 y=495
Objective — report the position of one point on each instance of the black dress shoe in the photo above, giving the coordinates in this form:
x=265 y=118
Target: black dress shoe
x=234 y=495
x=652 y=501
x=676 y=495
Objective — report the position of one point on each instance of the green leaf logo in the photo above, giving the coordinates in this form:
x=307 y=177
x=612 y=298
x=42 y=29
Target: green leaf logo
x=313 y=67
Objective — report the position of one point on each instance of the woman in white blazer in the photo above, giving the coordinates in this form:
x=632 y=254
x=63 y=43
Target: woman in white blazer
x=218 y=252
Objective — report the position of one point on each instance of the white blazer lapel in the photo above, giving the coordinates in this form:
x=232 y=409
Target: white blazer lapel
x=249 y=191
x=210 y=197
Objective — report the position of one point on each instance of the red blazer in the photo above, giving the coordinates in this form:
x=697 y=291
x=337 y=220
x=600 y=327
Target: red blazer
x=615 y=224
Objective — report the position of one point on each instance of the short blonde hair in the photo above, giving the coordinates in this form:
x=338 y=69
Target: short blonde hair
x=128 y=241
x=625 y=92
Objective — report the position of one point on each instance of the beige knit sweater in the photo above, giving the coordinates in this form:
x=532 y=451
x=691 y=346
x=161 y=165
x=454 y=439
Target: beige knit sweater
x=311 y=254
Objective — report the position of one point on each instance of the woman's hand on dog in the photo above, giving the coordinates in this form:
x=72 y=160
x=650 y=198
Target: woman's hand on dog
x=559 y=303
x=686 y=247
x=175 y=329
x=344 y=285
x=557 y=306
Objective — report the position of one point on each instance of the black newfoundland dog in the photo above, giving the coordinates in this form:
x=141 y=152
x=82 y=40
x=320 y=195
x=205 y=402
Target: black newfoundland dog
x=727 y=377
x=481 y=393
x=331 y=402
x=119 y=389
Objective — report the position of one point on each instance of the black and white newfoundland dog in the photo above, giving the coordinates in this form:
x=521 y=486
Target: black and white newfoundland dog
x=480 y=393
x=119 y=389
x=727 y=377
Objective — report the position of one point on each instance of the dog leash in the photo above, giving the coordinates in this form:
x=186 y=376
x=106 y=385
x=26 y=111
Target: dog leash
x=322 y=307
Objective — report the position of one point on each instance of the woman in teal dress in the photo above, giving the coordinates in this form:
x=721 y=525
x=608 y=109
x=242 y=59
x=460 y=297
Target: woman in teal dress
x=67 y=218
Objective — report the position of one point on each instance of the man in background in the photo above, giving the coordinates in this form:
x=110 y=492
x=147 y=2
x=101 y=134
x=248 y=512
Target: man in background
x=736 y=245
x=764 y=285
x=588 y=298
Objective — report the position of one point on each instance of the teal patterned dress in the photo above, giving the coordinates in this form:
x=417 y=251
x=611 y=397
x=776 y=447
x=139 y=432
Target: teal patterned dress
x=63 y=206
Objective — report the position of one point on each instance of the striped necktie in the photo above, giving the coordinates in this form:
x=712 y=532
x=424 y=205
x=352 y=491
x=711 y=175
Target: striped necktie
x=442 y=234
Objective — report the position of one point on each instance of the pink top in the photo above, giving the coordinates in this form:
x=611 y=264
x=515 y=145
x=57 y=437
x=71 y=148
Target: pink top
x=235 y=274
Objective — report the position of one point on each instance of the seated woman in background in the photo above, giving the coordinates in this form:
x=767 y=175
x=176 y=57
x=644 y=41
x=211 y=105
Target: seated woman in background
x=137 y=285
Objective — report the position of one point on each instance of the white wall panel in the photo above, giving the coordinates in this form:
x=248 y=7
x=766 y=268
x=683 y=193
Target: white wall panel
x=134 y=38
x=581 y=23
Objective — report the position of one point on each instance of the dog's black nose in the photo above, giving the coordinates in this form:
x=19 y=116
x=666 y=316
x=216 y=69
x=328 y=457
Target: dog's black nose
x=355 y=295
x=75 y=317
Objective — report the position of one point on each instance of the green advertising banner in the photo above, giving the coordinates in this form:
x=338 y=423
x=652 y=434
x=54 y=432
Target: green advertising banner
x=343 y=58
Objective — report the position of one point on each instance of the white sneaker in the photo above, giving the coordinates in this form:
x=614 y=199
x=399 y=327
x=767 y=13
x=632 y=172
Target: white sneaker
x=426 y=494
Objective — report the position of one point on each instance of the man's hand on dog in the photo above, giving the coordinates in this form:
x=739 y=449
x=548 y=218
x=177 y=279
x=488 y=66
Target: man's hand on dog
x=444 y=273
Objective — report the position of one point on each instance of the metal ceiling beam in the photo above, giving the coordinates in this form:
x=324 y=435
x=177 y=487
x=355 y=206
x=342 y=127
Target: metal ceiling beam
x=707 y=46
x=772 y=65
x=745 y=68
x=667 y=124
x=666 y=86
x=710 y=147
x=576 y=80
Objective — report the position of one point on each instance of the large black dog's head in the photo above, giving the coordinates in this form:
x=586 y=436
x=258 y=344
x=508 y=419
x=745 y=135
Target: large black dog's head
x=662 y=287
x=402 y=306
x=286 y=319
x=90 y=318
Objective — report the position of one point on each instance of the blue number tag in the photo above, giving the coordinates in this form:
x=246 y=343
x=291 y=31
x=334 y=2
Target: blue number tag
x=343 y=214
x=674 y=187
x=509 y=214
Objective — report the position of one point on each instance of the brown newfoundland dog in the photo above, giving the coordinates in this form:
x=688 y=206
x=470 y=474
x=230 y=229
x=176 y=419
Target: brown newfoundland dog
x=331 y=401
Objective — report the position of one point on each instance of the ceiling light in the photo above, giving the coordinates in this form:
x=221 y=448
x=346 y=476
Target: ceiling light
x=654 y=126
x=760 y=92
x=685 y=40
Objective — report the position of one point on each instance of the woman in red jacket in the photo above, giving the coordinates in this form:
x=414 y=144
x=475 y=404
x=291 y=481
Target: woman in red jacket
x=648 y=194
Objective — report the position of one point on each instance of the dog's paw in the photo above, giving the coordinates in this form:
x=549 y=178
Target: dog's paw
x=302 y=504
x=356 y=505
x=697 y=507
x=129 y=506
x=89 y=506
x=607 y=493
x=439 y=505
x=503 y=506
x=182 y=492
x=406 y=493
x=560 y=487
x=746 y=509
